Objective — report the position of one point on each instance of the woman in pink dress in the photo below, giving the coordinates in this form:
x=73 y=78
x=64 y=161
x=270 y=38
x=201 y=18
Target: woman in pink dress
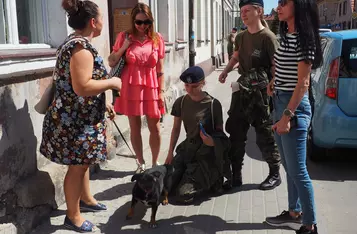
x=142 y=80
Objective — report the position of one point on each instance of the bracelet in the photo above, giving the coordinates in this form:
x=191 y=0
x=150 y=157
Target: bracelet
x=160 y=74
x=162 y=90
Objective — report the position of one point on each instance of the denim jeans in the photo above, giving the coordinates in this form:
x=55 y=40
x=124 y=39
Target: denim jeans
x=292 y=148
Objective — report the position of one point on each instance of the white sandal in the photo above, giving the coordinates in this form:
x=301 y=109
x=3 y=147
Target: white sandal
x=141 y=168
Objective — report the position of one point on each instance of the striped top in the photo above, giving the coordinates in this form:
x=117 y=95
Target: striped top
x=286 y=59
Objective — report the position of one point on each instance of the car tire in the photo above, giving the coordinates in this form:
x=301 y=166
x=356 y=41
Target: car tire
x=315 y=153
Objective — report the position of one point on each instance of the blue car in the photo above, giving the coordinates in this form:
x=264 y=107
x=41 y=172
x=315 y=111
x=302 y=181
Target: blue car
x=334 y=95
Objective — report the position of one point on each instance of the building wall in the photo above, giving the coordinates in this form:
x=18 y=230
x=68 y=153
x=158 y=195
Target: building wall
x=30 y=185
x=327 y=11
x=343 y=19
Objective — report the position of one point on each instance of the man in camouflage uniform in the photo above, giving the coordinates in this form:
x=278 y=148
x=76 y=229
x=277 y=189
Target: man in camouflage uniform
x=230 y=42
x=254 y=50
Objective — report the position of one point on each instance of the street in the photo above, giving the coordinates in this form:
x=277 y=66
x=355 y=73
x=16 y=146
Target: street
x=240 y=211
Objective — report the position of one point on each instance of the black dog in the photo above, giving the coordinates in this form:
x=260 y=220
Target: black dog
x=149 y=188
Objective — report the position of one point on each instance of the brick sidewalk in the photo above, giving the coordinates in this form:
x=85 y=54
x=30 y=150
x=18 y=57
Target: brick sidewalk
x=241 y=211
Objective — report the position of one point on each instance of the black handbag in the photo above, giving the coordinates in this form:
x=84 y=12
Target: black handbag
x=117 y=70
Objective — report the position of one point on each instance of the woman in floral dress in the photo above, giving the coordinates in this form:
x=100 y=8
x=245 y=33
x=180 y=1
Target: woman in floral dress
x=74 y=130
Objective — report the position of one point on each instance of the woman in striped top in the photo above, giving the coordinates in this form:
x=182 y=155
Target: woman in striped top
x=298 y=53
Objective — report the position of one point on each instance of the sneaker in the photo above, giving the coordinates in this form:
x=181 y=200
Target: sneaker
x=304 y=230
x=285 y=220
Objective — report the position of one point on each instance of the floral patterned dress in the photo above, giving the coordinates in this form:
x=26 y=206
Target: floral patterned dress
x=74 y=128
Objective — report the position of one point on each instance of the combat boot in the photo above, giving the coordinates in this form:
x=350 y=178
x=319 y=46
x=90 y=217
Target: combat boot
x=273 y=180
x=236 y=179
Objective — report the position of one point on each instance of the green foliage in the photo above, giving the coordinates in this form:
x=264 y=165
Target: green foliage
x=275 y=25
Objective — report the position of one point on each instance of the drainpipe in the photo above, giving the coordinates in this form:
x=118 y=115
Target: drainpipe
x=191 y=43
x=223 y=33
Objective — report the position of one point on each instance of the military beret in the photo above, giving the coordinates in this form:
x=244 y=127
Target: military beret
x=192 y=75
x=242 y=3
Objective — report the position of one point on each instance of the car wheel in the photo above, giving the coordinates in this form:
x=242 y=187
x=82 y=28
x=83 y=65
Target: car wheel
x=314 y=152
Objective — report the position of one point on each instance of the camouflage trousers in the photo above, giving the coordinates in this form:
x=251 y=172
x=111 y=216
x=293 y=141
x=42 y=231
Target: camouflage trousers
x=251 y=109
x=194 y=173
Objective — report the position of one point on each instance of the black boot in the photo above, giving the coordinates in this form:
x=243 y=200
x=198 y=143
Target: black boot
x=273 y=180
x=236 y=180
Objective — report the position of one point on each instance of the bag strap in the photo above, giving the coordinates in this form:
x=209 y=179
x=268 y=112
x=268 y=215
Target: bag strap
x=182 y=102
x=61 y=51
x=213 y=127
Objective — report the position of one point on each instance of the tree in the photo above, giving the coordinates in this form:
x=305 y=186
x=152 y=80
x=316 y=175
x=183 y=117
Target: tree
x=275 y=24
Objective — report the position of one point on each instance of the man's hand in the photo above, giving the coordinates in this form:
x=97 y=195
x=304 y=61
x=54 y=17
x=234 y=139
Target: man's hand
x=270 y=88
x=222 y=77
x=207 y=140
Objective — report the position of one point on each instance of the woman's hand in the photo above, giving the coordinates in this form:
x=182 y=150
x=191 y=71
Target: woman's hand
x=161 y=100
x=169 y=158
x=116 y=83
x=282 y=126
x=207 y=140
x=126 y=44
x=110 y=110
x=270 y=88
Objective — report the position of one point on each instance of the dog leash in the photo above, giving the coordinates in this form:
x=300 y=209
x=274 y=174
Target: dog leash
x=122 y=136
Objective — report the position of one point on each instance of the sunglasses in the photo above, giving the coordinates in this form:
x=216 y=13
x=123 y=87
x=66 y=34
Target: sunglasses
x=283 y=2
x=140 y=22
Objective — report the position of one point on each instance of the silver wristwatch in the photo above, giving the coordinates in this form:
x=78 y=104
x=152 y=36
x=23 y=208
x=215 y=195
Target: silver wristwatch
x=288 y=113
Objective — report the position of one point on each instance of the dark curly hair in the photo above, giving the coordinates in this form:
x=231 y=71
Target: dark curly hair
x=307 y=26
x=80 y=12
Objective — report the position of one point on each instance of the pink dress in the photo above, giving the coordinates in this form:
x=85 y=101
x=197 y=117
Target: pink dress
x=140 y=85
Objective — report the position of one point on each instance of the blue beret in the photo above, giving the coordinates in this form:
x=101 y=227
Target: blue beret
x=192 y=75
x=242 y=3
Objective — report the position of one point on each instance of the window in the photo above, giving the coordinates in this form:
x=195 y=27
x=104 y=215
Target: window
x=348 y=59
x=181 y=15
x=344 y=8
x=340 y=9
x=207 y=17
x=153 y=7
x=199 y=22
x=23 y=22
x=163 y=19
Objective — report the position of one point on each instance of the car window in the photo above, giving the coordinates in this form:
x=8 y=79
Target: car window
x=348 y=61
x=325 y=45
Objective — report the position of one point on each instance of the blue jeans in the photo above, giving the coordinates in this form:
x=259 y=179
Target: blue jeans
x=292 y=148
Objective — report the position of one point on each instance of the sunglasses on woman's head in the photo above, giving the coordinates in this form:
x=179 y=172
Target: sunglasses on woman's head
x=140 y=22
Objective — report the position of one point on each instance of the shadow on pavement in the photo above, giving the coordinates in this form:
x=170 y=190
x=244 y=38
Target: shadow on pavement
x=110 y=174
x=340 y=165
x=179 y=224
x=115 y=192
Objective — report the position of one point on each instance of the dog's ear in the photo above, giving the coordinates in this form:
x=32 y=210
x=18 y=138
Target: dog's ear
x=136 y=177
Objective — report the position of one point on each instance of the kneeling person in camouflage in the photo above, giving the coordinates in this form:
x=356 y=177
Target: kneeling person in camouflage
x=199 y=159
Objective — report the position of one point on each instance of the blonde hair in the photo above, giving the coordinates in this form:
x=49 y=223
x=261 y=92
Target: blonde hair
x=262 y=20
